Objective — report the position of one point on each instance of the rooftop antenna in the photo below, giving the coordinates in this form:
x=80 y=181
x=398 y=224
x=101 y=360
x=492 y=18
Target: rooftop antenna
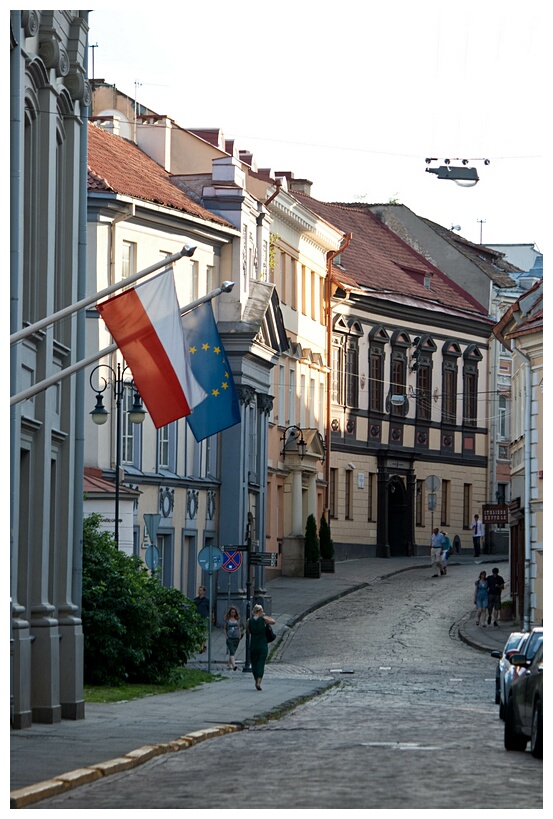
x=93 y=47
x=481 y=222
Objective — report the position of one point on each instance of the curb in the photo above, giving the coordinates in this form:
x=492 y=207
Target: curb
x=82 y=776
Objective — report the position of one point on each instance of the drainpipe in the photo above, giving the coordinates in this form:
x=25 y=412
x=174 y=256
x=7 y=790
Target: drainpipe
x=330 y=256
x=527 y=480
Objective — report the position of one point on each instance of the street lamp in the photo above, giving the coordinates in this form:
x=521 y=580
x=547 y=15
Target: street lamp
x=100 y=414
x=295 y=435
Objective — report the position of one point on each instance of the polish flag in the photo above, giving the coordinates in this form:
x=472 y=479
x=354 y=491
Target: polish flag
x=146 y=325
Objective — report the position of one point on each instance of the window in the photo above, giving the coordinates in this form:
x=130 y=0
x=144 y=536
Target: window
x=345 y=362
x=451 y=352
x=446 y=495
x=128 y=443
x=166 y=447
x=398 y=381
x=449 y=394
x=419 y=504
x=371 y=482
x=163 y=447
x=337 y=370
x=471 y=357
x=376 y=379
x=349 y=494
x=128 y=259
x=292 y=396
x=352 y=373
x=424 y=389
x=502 y=421
x=467 y=505
x=332 y=488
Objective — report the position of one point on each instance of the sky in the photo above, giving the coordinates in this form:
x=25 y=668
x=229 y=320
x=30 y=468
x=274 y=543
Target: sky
x=355 y=96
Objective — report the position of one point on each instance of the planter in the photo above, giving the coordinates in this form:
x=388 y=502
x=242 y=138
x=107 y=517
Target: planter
x=312 y=569
x=507 y=611
x=327 y=565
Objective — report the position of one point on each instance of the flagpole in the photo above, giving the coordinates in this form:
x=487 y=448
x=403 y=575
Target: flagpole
x=226 y=287
x=187 y=250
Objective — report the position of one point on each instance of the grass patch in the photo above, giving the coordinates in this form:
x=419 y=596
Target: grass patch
x=182 y=679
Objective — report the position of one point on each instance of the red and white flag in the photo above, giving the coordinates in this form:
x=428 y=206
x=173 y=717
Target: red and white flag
x=146 y=325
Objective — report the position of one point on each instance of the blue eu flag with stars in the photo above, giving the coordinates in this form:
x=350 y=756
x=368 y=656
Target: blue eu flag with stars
x=210 y=366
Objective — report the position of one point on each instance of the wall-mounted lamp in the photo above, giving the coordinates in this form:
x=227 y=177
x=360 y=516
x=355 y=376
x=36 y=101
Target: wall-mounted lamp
x=296 y=435
x=397 y=400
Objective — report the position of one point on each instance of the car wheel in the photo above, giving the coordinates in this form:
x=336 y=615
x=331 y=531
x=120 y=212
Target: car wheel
x=536 y=741
x=512 y=740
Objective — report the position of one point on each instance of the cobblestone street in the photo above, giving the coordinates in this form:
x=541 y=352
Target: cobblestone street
x=411 y=724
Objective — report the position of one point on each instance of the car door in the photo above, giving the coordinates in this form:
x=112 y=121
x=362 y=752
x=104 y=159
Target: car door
x=526 y=687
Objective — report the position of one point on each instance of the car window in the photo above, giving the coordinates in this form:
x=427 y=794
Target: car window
x=513 y=642
x=534 y=643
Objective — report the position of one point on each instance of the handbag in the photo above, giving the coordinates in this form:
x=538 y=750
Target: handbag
x=269 y=633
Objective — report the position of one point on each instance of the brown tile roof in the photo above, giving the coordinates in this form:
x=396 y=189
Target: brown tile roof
x=378 y=259
x=119 y=166
x=94 y=484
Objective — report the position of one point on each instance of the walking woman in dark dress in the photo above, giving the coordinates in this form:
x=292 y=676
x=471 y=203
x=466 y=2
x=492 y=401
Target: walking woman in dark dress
x=259 y=647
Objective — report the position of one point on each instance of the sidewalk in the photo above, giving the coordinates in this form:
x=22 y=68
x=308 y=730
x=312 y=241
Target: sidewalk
x=48 y=759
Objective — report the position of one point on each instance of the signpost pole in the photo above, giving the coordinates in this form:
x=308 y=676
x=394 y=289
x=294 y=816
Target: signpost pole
x=247 y=663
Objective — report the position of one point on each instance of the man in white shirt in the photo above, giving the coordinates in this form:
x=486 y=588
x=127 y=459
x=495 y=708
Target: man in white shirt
x=477 y=534
x=436 y=546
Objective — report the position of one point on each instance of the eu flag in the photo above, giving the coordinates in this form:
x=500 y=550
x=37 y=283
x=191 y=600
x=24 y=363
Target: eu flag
x=210 y=366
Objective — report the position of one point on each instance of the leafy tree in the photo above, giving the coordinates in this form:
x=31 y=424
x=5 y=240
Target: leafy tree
x=312 y=551
x=135 y=630
x=325 y=540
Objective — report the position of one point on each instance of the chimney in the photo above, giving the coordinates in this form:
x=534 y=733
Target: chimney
x=300 y=185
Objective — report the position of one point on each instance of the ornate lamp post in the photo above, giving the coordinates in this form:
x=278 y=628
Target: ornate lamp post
x=100 y=415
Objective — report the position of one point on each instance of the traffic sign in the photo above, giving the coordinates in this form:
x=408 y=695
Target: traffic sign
x=152 y=558
x=264 y=559
x=232 y=560
x=210 y=558
x=433 y=483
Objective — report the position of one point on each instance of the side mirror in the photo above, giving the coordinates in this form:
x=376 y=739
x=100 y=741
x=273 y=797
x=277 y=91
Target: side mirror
x=497 y=654
x=518 y=659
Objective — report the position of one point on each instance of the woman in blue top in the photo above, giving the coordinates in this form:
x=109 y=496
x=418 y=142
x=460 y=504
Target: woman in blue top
x=481 y=598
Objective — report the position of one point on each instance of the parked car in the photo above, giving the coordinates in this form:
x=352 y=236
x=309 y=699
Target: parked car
x=514 y=643
x=532 y=641
x=524 y=712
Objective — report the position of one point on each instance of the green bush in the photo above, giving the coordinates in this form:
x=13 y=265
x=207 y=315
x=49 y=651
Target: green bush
x=325 y=540
x=135 y=630
x=312 y=551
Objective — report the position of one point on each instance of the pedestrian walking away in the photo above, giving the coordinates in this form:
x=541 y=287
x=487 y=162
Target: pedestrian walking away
x=202 y=606
x=446 y=549
x=232 y=634
x=436 y=546
x=481 y=598
x=477 y=534
x=496 y=584
x=259 y=647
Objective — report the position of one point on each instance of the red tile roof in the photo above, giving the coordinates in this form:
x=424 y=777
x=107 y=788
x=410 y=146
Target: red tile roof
x=119 y=166
x=378 y=259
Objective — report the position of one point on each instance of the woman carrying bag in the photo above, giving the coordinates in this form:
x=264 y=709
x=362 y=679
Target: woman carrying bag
x=259 y=646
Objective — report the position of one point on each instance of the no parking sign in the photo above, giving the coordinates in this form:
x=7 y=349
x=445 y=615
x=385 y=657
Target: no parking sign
x=232 y=560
